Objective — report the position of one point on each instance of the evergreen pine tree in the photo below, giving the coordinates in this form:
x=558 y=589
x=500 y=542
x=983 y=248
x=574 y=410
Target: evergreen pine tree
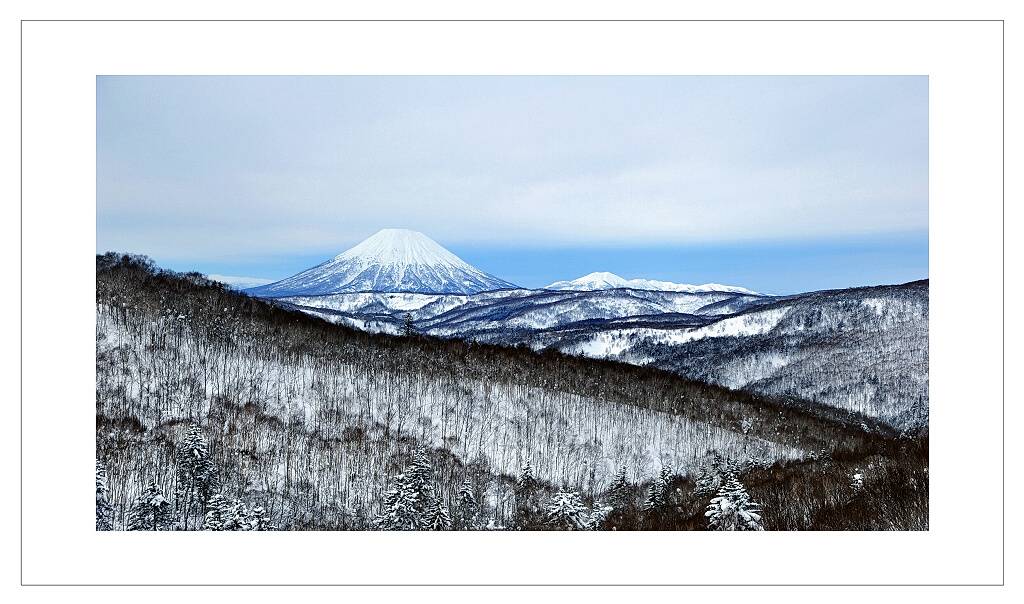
x=666 y=475
x=400 y=508
x=732 y=469
x=655 y=497
x=618 y=492
x=104 y=511
x=732 y=509
x=259 y=520
x=225 y=514
x=567 y=512
x=420 y=476
x=705 y=482
x=437 y=517
x=151 y=511
x=218 y=514
x=598 y=516
x=238 y=517
x=528 y=506
x=658 y=497
x=411 y=495
x=466 y=508
x=526 y=481
x=197 y=474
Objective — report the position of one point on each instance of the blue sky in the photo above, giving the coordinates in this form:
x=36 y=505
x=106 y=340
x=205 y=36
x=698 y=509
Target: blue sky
x=778 y=184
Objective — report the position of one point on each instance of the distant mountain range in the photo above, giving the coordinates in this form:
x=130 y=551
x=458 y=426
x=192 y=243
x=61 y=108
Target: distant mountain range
x=404 y=261
x=861 y=349
x=602 y=281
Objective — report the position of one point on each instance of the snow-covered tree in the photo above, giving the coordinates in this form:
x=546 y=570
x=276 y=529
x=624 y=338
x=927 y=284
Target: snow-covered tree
x=598 y=515
x=706 y=482
x=658 y=496
x=618 y=492
x=733 y=467
x=259 y=520
x=567 y=512
x=410 y=497
x=420 y=476
x=732 y=509
x=400 y=510
x=104 y=511
x=715 y=474
x=526 y=481
x=437 y=517
x=466 y=508
x=238 y=517
x=225 y=514
x=197 y=473
x=528 y=506
x=218 y=514
x=151 y=511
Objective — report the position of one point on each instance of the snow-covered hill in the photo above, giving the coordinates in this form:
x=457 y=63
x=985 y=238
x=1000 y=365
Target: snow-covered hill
x=862 y=349
x=603 y=281
x=393 y=260
x=493 y=315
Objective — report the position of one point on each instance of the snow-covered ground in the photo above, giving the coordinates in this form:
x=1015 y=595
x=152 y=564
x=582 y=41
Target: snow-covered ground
x=612 y=343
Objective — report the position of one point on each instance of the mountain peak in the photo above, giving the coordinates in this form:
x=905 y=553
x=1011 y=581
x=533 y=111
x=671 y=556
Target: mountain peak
x=392 y=260
x=606 y=280
x=403 y=246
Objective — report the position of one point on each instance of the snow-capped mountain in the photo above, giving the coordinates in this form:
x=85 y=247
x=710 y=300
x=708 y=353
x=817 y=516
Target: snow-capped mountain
x=601 y=281
x=393 y=260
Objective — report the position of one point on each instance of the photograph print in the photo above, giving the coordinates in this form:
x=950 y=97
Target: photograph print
x=512 y=303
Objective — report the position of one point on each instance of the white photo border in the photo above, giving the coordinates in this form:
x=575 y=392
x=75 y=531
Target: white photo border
x=60 y=63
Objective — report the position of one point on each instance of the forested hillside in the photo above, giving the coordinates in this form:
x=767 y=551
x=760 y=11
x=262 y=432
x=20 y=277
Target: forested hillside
x=861 y=349
x=220 y=411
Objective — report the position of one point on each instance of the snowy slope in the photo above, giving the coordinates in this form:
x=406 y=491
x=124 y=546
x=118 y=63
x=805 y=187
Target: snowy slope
x=861 y=349
x=393 y=260
x=602 y=281
x=517 y=309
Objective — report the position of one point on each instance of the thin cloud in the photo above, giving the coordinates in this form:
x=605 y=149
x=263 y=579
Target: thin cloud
x=205 y=167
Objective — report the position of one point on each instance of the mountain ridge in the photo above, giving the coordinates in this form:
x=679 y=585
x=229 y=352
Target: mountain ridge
x=604 y=280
